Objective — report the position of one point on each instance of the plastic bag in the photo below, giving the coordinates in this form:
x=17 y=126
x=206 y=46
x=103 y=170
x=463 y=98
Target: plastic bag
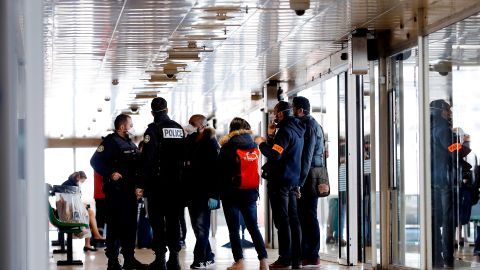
x=70 y=209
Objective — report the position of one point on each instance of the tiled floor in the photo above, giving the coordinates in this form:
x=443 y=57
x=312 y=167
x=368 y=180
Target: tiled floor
x=223 y=258
x=97 y=260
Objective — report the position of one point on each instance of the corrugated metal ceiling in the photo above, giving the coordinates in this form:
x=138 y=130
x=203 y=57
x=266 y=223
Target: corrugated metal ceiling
x=92 y=42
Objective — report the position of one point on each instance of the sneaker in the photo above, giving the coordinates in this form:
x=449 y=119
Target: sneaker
x=114 y=265
x=280 y=264
x=208 y=263
x=198 y=265
x=311 y=263
x=132 y=264
x=182 y=244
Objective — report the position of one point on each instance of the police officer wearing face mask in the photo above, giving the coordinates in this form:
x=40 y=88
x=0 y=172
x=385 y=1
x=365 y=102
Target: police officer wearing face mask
x=162 y=165
x=116 y=159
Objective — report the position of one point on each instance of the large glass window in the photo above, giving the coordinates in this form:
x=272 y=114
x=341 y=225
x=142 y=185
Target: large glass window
x=323 y=99
x=453 y=79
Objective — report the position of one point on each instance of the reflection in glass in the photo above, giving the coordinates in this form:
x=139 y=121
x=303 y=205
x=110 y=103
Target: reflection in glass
x=342 y=165
x=453 y=79
x=366 y=224
x=323 y=99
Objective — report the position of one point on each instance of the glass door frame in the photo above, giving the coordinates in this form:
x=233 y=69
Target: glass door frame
x=384 y=158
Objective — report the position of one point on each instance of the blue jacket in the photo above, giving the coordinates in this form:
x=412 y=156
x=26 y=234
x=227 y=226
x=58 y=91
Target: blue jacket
x=228 y=166
x=284 y=153
x=441 y=158
x=313 y=147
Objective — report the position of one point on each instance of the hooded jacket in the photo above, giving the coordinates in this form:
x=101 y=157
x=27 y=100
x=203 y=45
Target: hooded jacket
x=228 y=166
x=284 y=153
x=313 y=148
x=200 y=177
x=441 y=158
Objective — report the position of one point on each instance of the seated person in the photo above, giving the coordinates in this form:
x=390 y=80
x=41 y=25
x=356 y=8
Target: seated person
x=76 y=179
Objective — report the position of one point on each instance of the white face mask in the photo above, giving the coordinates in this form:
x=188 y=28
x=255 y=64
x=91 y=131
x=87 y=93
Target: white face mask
x=131 y=131
x=189 y=129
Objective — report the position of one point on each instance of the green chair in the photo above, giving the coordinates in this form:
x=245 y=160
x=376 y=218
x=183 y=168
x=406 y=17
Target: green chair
x=69 y=229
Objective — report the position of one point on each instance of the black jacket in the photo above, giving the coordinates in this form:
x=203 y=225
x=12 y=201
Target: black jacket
x=163 y=156
x=313 y=147
x=117 y=154
x=228 y=166
x=441 y=138
x=201 y=175
x=284 y=153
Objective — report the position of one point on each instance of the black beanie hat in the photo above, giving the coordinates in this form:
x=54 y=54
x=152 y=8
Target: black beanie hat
x=159 y=104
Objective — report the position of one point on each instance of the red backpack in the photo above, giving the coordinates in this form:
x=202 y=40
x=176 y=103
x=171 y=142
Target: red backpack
x=248 y=177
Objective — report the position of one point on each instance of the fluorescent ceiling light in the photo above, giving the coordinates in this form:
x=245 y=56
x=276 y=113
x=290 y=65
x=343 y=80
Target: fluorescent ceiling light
x=466 y=47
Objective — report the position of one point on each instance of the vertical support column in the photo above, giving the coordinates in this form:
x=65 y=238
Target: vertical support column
x=424 y=148
x=354 y=158
x=33 y=100
x=270 y=100
x=373 y=165
x=384 y=165
x=11 y=252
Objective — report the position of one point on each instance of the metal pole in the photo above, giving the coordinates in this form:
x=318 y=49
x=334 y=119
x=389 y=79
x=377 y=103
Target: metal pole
x=10 y=247
x=424 y=148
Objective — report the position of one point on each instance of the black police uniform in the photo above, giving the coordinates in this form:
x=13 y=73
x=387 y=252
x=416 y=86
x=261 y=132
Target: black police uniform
x=118 y=154
x=162 y=164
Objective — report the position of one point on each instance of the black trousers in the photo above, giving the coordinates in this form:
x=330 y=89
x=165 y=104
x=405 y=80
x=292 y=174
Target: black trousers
x=443 y=224
x=283 y=201
x=164 y=218
x=307 y=213
x=101 y=212
x=121 y=206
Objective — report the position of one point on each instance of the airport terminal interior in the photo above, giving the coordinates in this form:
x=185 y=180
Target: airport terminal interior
x=391 y=82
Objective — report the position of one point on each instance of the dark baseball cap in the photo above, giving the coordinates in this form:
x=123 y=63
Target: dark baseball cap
x=439 y=104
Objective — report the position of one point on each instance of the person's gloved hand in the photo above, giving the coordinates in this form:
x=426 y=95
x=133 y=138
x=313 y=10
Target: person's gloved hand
x=213 y=204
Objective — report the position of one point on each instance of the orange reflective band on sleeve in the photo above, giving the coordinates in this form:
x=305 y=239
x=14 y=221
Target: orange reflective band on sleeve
x=278 y=148
x=454 y=147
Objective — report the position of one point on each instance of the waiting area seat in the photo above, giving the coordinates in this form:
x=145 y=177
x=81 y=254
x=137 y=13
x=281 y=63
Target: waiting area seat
x=65 y=228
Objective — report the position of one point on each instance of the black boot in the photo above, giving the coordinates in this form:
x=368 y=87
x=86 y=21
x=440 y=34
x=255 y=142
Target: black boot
x=131 y=263
x=158 y=263
x=113 y=264
x=173 y=262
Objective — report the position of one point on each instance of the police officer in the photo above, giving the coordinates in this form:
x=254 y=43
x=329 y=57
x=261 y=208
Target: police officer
x=312 y=157
x=282 y=171
x=116 y=159
x=162 y=164
x=441 y=143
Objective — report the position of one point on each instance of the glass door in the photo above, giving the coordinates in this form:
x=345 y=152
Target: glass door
x=404 y=182
x=342 y=166
x=323 y=99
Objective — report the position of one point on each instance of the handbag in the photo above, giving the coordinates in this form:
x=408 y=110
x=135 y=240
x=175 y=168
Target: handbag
x=317 y=180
